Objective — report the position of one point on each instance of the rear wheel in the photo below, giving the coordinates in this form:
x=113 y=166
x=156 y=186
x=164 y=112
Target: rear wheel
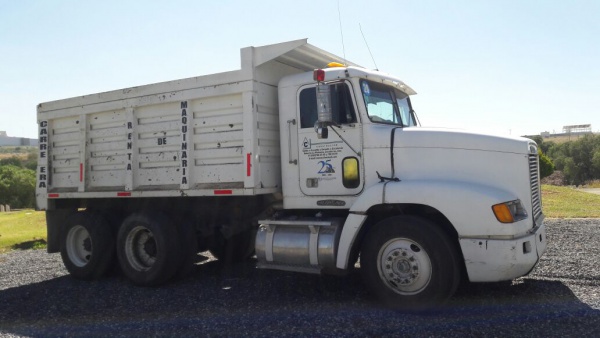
x=147 y=249
x=87 y=248
x=408 y=263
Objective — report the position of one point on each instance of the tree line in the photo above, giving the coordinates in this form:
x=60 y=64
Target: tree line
x=17 y=179
x=579 y=160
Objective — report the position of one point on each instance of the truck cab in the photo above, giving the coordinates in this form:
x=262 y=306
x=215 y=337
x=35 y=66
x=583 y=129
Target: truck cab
x=481 y=191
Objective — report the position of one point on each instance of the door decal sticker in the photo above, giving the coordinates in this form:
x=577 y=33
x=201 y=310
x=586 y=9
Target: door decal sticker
x=322 y=151
x=326 y=167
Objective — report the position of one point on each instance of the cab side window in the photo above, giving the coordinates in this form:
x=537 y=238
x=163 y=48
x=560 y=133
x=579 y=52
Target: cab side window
x=341 y=105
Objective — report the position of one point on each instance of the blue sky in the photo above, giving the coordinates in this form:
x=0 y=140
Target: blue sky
x=506 y=67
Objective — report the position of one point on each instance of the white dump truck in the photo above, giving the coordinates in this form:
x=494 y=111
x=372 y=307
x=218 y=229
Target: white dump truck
x=306 y=160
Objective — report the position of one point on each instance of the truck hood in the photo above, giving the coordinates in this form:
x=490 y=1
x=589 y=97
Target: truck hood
x=379 y=136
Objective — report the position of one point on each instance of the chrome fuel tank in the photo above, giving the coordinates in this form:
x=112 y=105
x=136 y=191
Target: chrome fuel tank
x=305 y=245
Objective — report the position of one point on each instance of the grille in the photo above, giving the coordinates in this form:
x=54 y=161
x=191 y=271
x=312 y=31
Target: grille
x=534 y=177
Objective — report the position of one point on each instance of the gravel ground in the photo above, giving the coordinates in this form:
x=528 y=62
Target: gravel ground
x=560 y=298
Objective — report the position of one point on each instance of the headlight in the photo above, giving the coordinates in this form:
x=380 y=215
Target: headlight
x=509 y=212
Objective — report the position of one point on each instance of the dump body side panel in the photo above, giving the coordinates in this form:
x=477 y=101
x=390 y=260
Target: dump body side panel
x=197 y=141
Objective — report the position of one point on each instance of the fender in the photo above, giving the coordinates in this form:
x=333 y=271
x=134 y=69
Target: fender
x=468 y=206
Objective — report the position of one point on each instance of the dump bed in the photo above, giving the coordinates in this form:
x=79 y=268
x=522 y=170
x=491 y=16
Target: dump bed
x=210 y=135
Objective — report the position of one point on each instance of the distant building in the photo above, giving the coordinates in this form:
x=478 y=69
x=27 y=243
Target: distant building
x=6 y=140
x=577 y=129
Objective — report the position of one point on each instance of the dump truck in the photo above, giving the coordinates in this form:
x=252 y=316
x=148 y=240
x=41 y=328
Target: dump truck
x=300 y=160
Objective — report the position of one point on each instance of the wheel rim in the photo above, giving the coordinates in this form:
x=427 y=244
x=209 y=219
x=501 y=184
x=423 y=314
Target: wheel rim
x=404 y=266
x=140 y=248
x=79 y=246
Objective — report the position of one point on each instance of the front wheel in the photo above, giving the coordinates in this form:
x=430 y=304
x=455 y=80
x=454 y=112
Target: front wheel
x=409 y=263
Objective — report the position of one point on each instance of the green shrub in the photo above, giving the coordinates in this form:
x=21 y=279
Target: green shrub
x=579 y=160
x=546 y=165
x=13 y=160
x=17 y=186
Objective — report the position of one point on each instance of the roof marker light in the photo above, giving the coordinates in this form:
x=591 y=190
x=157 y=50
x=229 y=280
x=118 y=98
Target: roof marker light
x=335 y=65
x=319 y=75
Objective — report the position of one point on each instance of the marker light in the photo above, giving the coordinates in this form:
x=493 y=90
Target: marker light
x=503 y=213
x=335 y=65
x=509 y=212
x=350 y=173
x=319 y=75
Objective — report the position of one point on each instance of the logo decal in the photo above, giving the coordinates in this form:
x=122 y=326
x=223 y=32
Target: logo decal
x=326 y=167
x=306 y=143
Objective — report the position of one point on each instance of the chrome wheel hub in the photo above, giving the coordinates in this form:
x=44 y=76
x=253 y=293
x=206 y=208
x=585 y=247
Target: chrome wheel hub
x=140 y=248
x=404 y=266
x=79 y=246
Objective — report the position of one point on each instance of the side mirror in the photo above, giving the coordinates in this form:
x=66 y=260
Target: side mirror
x=324 y=103
x=325 y=116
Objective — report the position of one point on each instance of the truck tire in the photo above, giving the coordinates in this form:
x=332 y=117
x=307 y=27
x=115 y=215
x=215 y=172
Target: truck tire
x=87 y=247
x=409 y=264
x=148 y=249
x=238 y=248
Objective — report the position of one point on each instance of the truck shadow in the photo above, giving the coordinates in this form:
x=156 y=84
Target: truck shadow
x=241 y=300
x=30 y=244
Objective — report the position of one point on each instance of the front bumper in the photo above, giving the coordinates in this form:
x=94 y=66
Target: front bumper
x=493 y=260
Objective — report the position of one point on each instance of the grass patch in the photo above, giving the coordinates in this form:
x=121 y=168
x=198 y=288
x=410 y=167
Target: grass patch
x=593 y=184
x=565 y=202
x=23 y=229
x=21 y=152
x=20 y=156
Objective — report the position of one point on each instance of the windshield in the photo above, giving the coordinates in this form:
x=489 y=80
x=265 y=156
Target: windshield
x=386 y=104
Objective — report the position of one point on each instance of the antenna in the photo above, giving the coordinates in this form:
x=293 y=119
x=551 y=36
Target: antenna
x=369 y=49
x=341 y=31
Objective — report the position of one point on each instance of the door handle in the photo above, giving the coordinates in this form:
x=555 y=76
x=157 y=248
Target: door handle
x=290 y=123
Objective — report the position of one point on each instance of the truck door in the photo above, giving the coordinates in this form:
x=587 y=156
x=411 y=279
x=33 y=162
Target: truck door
x=331 y=166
